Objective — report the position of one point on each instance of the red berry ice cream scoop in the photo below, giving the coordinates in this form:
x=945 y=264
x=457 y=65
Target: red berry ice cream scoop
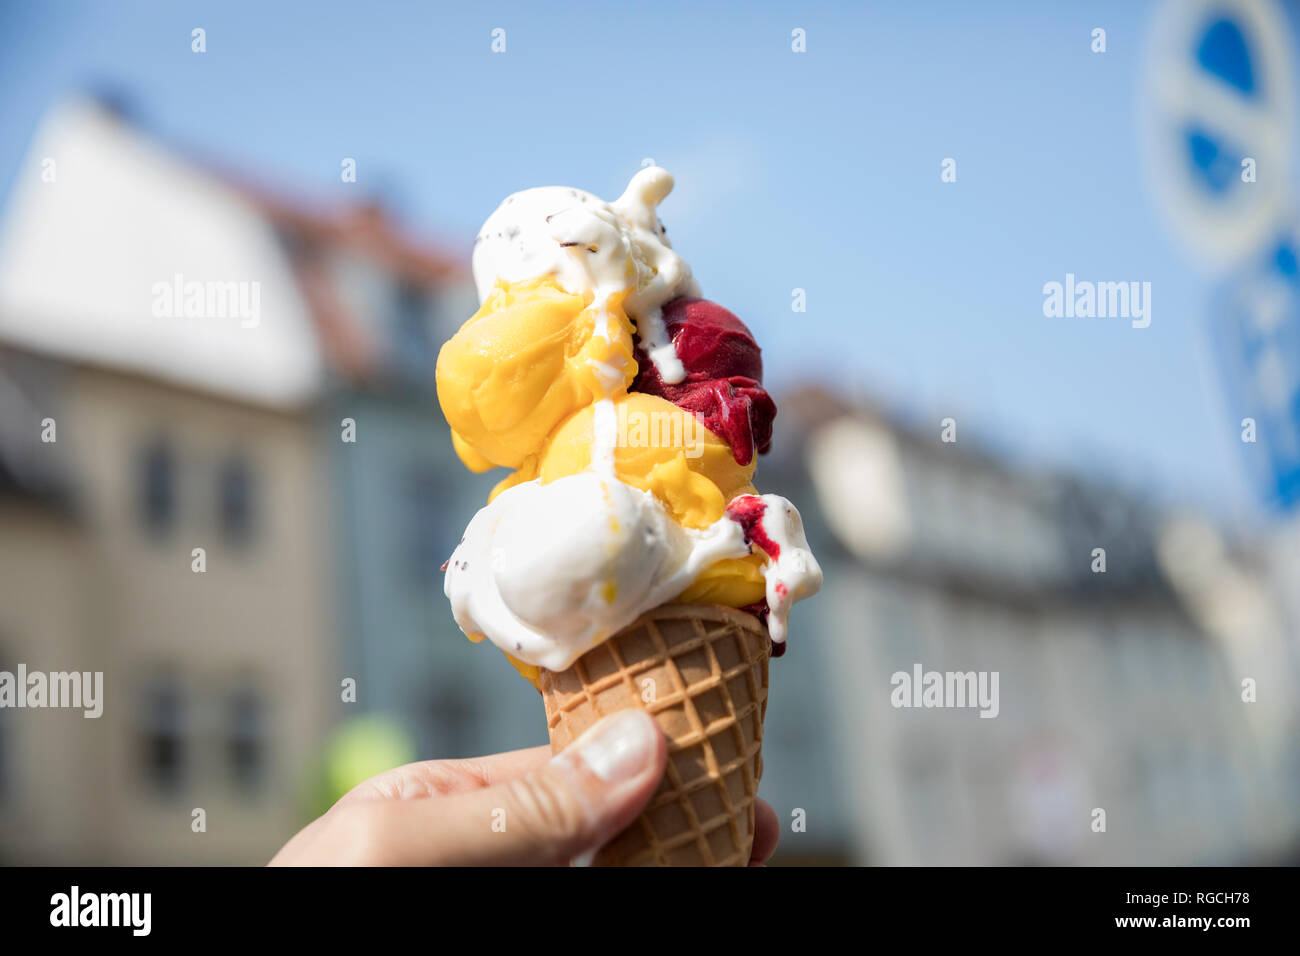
x=724 y=371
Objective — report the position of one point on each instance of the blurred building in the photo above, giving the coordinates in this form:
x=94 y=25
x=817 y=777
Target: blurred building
x=225 y=430
x=1118 y=690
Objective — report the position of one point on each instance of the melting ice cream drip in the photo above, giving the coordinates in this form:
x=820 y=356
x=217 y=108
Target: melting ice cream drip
x=604 y=438
x=773 y=525
x=637 y=206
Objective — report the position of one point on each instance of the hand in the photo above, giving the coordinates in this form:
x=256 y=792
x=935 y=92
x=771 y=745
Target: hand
x=554 y=809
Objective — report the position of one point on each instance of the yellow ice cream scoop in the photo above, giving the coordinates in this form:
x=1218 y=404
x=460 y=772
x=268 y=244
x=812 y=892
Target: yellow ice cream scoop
x=529 y=358
x=661 y=449
x=733 y=582
x=666 y=451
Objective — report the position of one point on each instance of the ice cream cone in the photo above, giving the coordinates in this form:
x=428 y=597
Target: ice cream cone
x=701 y=671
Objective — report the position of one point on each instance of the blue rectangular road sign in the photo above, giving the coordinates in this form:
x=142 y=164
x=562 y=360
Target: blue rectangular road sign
x=1256 y=328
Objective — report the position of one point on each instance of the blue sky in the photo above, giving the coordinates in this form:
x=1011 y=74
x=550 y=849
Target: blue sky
x=816 y=170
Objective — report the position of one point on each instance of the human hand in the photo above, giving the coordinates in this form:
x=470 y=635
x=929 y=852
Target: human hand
x=551 y=809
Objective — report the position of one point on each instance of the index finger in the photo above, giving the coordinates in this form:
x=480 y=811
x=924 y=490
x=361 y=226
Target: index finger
x=433 y=778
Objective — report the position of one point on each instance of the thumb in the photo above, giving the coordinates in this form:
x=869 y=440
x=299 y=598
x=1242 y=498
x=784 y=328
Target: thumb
x=569 y=807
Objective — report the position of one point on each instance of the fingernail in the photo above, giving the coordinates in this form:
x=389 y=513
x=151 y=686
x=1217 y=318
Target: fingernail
x=620 y=746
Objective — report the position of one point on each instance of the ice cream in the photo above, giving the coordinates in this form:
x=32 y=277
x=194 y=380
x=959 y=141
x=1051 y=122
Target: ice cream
x=606 y=551
x=630 y=412
x=723 y=371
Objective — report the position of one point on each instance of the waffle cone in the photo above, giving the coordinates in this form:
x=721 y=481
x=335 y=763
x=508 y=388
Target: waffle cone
x=701 y=672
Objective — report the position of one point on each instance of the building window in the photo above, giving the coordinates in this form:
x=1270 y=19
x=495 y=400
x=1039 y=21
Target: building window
x=235 y=500
x=450 y=721
x=428 y=542
x=162 y=750
x=157 y=486
x=411 y=331
x=246 y=738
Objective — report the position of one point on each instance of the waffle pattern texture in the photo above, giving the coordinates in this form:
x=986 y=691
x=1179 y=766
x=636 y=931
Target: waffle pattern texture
x=701 y=671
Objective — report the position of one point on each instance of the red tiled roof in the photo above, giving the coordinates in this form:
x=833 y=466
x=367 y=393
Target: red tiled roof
x=364 y=227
